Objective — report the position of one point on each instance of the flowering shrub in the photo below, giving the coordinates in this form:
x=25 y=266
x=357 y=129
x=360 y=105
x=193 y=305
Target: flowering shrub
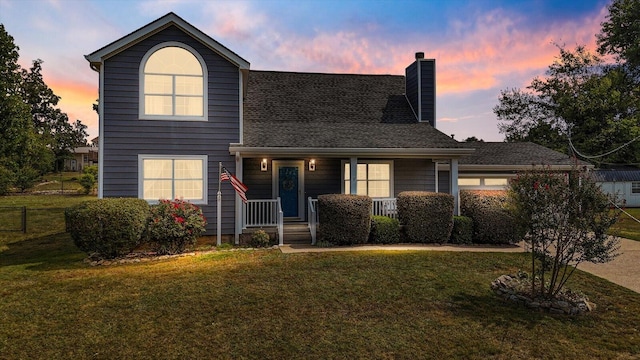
x=566 y=218
x=174 y=225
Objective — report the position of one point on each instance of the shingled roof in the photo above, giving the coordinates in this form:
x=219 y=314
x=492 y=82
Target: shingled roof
x=515 y=154
x=312 y=110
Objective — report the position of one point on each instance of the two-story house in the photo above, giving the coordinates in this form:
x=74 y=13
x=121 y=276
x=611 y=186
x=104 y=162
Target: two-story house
x=174 y=103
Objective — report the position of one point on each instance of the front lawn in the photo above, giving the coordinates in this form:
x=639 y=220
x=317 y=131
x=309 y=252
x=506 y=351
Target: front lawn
x=268 y=305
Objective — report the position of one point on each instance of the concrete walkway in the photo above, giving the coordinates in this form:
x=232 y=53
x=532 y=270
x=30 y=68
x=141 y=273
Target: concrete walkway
x=623 y=270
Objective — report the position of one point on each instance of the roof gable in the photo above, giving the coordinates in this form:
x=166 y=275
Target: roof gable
x=171 y=19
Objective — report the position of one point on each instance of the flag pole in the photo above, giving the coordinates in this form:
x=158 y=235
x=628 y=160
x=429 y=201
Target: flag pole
x=218 y=211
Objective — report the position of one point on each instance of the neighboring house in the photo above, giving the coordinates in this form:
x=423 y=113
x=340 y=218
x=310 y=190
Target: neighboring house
x=625 y=184
x=493 y=163
x=81 y=157
x=174 y=103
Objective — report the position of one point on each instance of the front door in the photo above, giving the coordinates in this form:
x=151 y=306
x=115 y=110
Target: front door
x=289 y=186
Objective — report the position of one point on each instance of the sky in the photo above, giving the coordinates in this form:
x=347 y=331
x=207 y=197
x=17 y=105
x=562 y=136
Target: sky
x=481 y=46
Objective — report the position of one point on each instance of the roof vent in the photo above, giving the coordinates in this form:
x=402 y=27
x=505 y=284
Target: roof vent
x=419 y=55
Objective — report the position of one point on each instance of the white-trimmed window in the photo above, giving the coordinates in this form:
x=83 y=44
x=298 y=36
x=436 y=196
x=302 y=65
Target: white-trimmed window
x=173 y=84
x=374 y=178
x=635 y=187
x=173 y=177
x=483 y=182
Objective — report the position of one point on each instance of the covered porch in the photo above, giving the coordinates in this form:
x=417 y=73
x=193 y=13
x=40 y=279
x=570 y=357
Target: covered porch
x=284 y=184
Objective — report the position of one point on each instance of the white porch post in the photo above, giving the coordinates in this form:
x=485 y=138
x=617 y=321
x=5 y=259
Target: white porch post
x=435 y=171
x=238 y=217
x=353 y=175
x=453 y=185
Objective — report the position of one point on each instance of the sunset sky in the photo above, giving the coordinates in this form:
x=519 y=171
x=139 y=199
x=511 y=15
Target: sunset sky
x=480 y=46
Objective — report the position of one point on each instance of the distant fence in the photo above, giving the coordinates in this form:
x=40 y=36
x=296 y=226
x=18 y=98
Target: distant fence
x=23 y=219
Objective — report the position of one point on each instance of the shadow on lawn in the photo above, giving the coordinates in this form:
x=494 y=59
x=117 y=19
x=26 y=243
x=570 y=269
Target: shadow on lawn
x=482 y=308
x=50 y=252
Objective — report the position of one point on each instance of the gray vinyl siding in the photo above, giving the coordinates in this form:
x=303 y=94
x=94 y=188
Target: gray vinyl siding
x=428 y=90
x=443 y=182
x=125 y=136
x=413 y=175
x=258 y=182
x=325 y=180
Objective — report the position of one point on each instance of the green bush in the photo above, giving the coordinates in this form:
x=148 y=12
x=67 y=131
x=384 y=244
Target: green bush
x=88 y=178
x=174 y=225
x=87 y=181
x=492 y=221
x=462 y=232
x=260 y=238
x=384 y=230
x=344 y=219
x=107 y=228
x=427 y=216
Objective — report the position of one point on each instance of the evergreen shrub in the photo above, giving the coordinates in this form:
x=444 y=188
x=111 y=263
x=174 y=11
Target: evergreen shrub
x=344 y=219
x=462 y=232
x=492 y=221
x=427 y=216
x=107 y=228
x=384 y=230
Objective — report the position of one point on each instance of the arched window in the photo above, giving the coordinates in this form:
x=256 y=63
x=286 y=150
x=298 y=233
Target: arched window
x=172 y=83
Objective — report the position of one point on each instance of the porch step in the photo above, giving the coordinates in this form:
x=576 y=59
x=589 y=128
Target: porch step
x=296 y=233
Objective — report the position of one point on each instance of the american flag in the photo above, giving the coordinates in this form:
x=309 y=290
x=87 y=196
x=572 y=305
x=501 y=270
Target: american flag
x=240 y=188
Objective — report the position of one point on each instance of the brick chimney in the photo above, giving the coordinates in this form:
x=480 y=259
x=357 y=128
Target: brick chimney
x=420 y=88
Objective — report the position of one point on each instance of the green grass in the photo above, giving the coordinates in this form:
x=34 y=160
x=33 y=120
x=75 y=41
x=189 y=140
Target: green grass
x=627 y=227
x=59 y=181
x=45 y=215
x=269 y=305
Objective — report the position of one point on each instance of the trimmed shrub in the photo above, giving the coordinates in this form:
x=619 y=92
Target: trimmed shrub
x=260 y=238
x=427 y=216
x=462 y=232
x=107 y=228
x=174 y=225
x=344 y=219
x=492 y=221
x=384 y=230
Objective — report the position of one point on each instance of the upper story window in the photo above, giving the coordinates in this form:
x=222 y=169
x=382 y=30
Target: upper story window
x=172 y=83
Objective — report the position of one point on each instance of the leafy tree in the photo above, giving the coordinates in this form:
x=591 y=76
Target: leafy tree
x=473 y=139
x=580 y=98
x=49 y=122
x=20 y=150
x=33 y=133
x=566 y=219
x=620 y=32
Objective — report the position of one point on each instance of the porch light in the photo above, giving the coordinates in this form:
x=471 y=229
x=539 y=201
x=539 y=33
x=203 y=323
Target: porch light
x=263 y=165
x=312 y=165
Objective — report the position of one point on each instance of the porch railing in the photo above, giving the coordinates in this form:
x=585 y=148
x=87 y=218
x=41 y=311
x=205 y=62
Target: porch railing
x=313 y=218
x=385 y=207
x=264 y=213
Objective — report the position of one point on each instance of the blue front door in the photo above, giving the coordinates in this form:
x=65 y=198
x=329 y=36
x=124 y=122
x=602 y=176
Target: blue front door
x=288 y=179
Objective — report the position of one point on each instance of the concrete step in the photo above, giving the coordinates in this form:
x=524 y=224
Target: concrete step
x=296 y=233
